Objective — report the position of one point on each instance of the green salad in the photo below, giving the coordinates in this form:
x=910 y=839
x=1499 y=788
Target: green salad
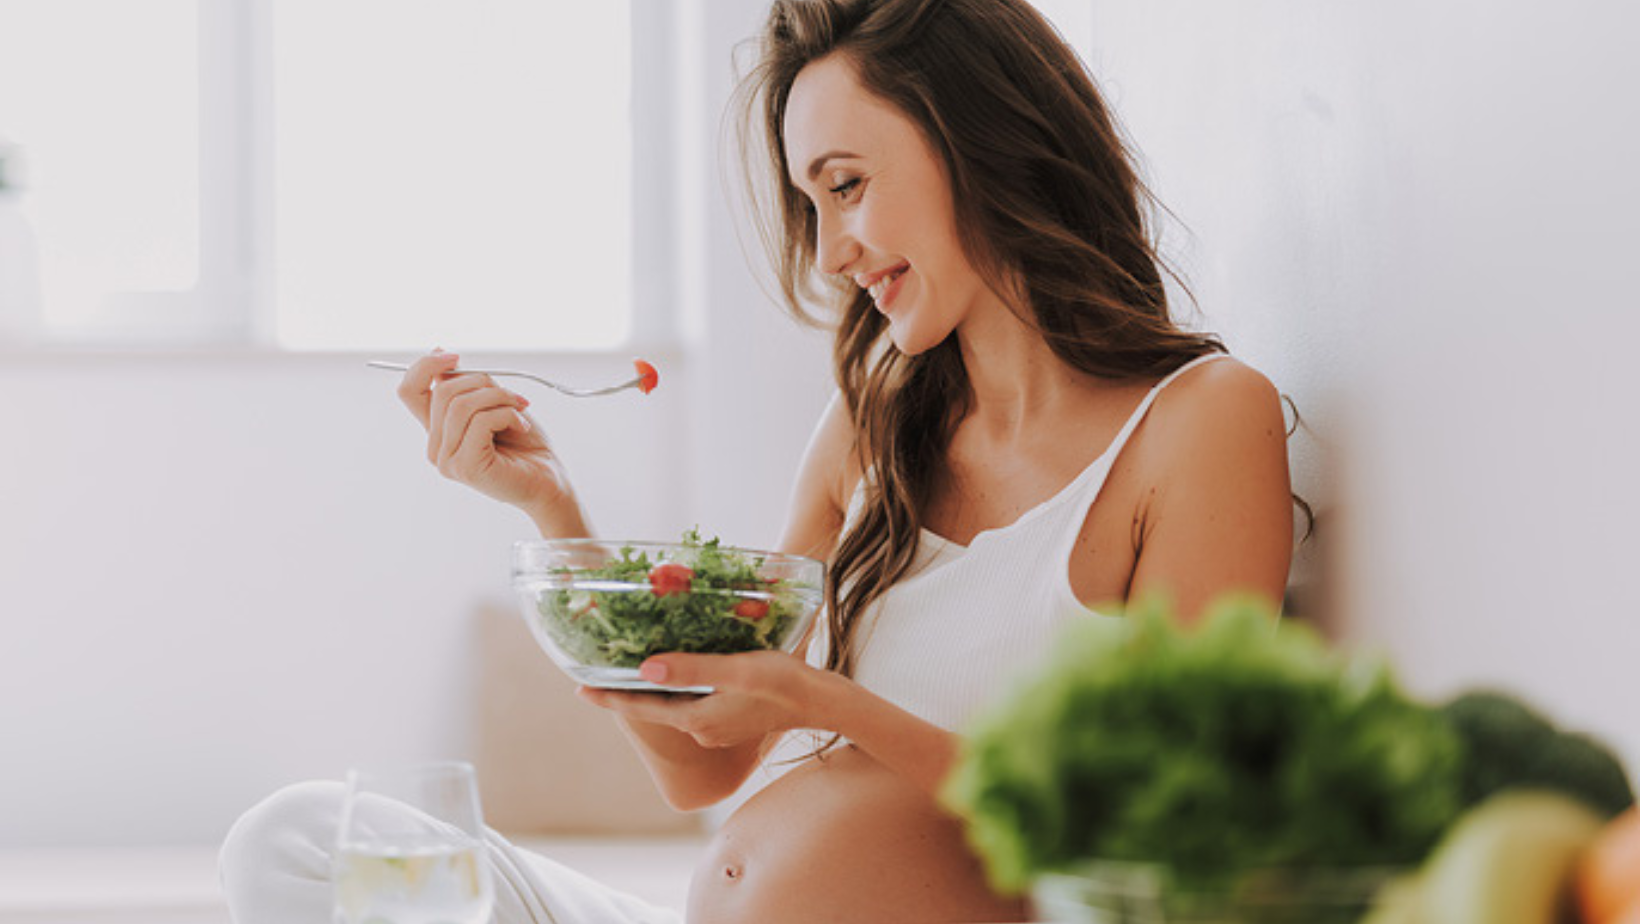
x=709 y=600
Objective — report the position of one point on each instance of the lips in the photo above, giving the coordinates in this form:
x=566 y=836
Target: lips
x=881 y=286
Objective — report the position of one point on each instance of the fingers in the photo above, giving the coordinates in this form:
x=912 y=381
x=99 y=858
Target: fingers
x=713 y=721
x=445 y=391
x=468 y=454
x=674 y=709
x=452 y=405
x=469 y=419
x=720 y=672
x=416 y=388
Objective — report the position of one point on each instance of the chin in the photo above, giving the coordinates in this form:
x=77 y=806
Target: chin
x=914 y=340
x=918 y=325
x=910 y=343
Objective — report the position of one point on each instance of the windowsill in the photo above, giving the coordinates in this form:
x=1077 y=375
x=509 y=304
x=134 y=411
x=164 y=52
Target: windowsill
x=12 y=353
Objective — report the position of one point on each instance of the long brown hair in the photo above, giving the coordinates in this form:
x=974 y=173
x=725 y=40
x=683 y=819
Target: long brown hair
x=1050 y=207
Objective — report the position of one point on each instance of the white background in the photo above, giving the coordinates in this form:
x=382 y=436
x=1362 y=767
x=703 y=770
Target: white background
x=223 y=571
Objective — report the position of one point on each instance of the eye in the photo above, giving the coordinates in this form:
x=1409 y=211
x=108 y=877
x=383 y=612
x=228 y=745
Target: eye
x=848 y=190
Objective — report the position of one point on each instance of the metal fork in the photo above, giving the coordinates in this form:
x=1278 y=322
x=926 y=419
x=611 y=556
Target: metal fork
x=572 y=392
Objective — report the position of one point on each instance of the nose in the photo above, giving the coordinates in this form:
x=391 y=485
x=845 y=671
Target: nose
x=835 y=249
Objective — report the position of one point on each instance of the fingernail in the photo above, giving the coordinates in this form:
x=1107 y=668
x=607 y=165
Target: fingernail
x=522 y=401
x=653 y=671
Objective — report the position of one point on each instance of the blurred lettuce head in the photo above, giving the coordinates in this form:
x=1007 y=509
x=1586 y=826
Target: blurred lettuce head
x=1240 y=742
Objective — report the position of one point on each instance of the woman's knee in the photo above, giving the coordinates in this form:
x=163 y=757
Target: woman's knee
x=294 y=826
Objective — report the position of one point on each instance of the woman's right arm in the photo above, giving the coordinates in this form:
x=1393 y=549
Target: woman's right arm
x=478 y=435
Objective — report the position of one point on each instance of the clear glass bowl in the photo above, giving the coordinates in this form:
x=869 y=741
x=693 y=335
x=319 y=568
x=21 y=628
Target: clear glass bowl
x=599 y=607
x=1110 y=892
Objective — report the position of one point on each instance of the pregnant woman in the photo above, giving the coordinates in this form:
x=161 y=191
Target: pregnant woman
x=1022 y=437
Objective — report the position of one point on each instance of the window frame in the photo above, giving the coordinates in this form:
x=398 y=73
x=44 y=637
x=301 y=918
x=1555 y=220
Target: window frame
x=233 y=303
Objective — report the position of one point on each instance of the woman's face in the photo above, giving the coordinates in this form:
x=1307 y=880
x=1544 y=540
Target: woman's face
x=882 y=205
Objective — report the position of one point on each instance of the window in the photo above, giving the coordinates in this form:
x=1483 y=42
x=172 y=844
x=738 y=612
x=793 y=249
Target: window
x=451 y=172
x=108 y=128
x=352 y=174
x=326 y=174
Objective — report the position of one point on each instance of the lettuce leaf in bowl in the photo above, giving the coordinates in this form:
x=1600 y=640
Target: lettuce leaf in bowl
x=710 y=600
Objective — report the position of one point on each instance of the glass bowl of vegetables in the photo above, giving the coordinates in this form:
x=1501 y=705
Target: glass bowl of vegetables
x=599 y=608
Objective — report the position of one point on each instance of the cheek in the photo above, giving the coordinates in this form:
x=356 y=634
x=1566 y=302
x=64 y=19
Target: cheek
x=949 y=279
x=945 y=264
x=882 y=228
x=893 y=220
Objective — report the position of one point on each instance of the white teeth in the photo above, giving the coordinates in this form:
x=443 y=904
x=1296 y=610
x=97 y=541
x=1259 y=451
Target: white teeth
x=877 y=288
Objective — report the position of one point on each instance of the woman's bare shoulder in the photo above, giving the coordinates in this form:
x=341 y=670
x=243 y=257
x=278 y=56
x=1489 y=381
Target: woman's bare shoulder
x=826 y=480
x=1216 y=513
x=835 y=448
x=1214 y=401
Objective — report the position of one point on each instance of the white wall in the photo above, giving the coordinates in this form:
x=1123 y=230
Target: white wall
x=226 y=572
x=1418 y=219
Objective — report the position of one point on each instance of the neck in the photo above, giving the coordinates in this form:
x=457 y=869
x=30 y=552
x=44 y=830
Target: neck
x=1014 y=375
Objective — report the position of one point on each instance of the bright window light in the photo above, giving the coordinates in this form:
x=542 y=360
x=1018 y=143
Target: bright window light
x=102 y=96
x=451 y=173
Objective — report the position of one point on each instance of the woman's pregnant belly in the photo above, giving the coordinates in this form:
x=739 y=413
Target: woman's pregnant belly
x=842 y=839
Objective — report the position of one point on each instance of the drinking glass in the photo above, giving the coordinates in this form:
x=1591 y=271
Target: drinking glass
x=410 y=848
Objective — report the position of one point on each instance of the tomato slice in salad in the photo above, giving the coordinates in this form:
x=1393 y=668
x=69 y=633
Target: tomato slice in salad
x=670 y=579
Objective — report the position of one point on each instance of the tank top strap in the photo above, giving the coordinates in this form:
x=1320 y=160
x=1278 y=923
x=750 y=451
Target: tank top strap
x=1090 y=484
x=1150 y=398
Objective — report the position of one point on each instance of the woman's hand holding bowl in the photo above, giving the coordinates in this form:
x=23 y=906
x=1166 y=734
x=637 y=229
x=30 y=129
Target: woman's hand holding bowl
x=756 y=693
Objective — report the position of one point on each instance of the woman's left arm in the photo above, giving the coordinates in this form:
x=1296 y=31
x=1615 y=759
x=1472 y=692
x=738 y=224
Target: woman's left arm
x=1218 y=515
x=760 y=692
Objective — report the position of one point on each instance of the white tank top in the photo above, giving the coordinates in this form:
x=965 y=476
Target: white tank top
x=966 y=620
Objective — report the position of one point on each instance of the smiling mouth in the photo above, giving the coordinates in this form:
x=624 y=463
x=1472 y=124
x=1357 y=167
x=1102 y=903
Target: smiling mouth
x=879 y=288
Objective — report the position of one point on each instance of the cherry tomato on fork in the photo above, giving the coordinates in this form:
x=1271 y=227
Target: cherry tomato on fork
x=648 y=378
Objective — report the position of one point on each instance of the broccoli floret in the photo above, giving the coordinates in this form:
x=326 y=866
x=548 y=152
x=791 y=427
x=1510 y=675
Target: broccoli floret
x=1499 y=732
x=1510 y=745
x=1584 y=766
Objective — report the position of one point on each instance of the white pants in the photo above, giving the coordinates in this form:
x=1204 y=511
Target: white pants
x=275 y=868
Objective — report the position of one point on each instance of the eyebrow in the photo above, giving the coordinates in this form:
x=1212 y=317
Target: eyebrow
x=819 y=162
